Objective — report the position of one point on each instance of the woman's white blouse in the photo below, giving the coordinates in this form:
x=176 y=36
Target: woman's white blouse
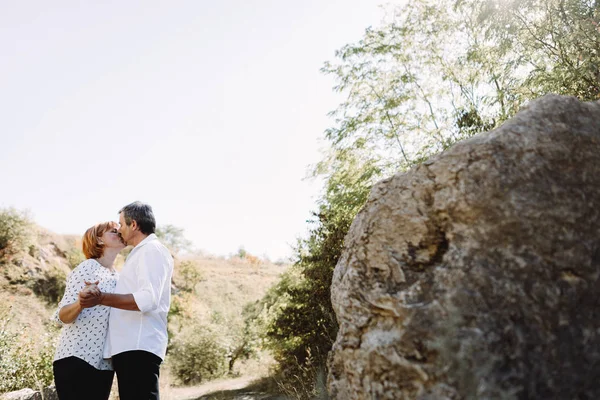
x=84 y=338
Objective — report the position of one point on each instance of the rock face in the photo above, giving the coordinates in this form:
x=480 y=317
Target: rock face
x=477 y=274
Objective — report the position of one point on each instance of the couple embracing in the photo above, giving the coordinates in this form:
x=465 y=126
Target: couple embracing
x=115 y=323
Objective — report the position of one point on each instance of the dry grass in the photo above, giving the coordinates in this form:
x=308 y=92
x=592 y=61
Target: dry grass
x=26 y=311
x=229 y=284
x=225 y=287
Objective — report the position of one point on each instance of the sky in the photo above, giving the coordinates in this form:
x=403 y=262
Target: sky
x=211 y=112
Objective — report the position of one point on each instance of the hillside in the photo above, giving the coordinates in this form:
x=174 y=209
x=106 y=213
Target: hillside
x=209 y=296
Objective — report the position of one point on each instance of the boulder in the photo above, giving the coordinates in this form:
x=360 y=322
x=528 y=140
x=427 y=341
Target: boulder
x=476 y=275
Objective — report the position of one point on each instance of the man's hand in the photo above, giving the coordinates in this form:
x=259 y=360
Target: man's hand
x=91 y=295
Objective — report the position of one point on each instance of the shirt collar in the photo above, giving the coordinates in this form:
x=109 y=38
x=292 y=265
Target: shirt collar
x=148 y=239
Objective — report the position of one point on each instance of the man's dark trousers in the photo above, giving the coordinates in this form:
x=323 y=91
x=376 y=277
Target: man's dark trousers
x=137 y=375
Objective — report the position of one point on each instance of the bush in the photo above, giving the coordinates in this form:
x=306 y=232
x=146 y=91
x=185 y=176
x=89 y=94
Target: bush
x=51 y=285
x=298 y=323
x=25 y=362
x=75 y=257
x=173 y=237
x=303 y=381
x=187 y=275
x=197 y=355
x=15 y=232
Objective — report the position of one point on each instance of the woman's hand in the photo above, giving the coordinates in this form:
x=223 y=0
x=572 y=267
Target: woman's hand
x=91 y=287
x=91 y=295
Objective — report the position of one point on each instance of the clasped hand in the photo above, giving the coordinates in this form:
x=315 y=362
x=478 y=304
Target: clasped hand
x=91 y=295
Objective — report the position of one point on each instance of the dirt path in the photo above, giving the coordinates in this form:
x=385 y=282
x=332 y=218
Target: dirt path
x=227 y=389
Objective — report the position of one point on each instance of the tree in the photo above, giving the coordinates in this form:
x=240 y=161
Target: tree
x=413 y=88
x=553 y=44
x=173 y=237
x=434 y=73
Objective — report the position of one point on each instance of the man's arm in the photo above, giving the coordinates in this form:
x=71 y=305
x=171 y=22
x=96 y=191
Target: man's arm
x=122 y=301
x=151 y=278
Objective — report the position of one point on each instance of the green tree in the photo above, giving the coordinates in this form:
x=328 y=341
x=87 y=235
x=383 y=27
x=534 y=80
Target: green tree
x=297 y=321
x=434 y=73
x=173 y=237
x=413 y=87
x=187 y=275
x=552 y=46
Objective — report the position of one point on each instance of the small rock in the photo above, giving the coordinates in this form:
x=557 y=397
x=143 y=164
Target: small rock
x=50 y=393
x=23 y=394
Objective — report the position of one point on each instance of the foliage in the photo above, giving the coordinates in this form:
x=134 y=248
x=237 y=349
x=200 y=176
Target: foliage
x=173 y=237
x=437 y=72
x=244 y=338
x=187 y=275
x=241 y=253
x=303 y=382
x=75 y=257
x=51 y=284
x=434 y=73
x=225 y=338
x=554 y=44
x=197 y=354
x=24 y=361
x=15 y=232
x=299 y=324
x=408 y=84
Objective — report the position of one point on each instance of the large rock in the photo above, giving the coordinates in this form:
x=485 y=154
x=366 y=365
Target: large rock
x=477 y=274
x=23 y=394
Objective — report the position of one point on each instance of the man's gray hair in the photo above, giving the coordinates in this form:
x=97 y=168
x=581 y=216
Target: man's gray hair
x=142 y=214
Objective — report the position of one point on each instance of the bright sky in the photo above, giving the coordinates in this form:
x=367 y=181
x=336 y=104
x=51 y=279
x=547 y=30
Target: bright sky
x=211 y=112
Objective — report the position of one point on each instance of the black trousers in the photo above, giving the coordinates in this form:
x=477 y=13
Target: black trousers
x=75 y=379
x=137 y=374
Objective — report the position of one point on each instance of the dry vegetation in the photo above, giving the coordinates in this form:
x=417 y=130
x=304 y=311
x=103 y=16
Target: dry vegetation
x=216 y=302
x=209 y=297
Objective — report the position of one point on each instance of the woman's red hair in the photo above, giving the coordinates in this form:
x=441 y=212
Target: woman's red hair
x=93 y=247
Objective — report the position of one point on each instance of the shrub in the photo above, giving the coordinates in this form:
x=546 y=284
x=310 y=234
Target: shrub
x=75 y=257
x=51 y=285
x=25 y=362
x=303 y=381
x=197 y=355
x=243 y=338
x=15 y=232
x=299 y=325
x=173 y=237
x=187 y=275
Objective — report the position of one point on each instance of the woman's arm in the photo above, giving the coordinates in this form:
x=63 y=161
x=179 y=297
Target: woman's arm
x=69 y=307
x=70 y=312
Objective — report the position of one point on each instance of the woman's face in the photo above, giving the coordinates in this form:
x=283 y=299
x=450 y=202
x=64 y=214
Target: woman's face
x=112 y=239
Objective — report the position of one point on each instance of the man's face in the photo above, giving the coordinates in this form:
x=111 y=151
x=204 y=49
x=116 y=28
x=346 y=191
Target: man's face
x=124 y=231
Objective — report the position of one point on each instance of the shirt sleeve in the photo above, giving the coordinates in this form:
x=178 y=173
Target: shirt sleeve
x=151 y=277
x=75 y=283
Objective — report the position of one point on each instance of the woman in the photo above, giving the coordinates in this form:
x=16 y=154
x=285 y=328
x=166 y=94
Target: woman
x=79 y=369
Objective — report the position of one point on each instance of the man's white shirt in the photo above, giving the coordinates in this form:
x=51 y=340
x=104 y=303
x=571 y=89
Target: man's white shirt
x=147 y=275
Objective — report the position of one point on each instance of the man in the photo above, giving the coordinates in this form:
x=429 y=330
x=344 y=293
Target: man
x=137 y=328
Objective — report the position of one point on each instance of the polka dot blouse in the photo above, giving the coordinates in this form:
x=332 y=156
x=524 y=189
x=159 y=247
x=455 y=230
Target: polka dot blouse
x=84 y=338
